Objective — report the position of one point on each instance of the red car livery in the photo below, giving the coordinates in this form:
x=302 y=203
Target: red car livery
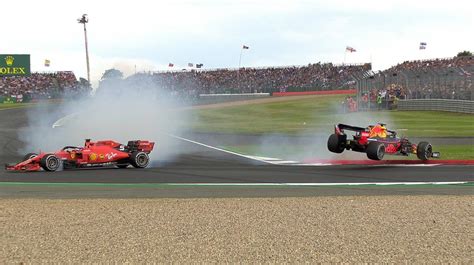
x=93 y=154
x=376 y=141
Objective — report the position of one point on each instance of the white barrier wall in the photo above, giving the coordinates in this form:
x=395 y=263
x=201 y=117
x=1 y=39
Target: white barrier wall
x=217 y=98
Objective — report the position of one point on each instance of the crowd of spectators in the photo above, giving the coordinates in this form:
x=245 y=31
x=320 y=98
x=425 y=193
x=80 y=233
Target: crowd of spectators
x=427 y=79
x=386 y=98
x=458 y=61
x=257 y=80
x=454 y=81
x=38 y=86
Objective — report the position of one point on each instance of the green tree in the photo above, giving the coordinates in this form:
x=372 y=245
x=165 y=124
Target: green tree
x=112 y=78
x=464 y=53
x=112 y=74
x=84 y=83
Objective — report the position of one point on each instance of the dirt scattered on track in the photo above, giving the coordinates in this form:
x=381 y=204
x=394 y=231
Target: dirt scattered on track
x=394 y=229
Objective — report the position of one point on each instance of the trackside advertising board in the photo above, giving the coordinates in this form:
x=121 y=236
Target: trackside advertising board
x=14 y=65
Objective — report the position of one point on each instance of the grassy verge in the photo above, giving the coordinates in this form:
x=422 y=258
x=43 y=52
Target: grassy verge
x=456 y=152
x=16 y=105
x=320 y=113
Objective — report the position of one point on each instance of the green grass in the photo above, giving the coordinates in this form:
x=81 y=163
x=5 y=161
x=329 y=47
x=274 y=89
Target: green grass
x=16 y=105
x=319 y=113
x=462 y=152
x=456 y=151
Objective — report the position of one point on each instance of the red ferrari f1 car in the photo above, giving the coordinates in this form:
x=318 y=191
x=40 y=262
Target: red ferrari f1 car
x=376 y=141
x=93 y=154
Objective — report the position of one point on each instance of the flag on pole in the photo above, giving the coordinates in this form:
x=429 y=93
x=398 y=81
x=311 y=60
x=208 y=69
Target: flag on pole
x=170 y=65
x=190 y=64
x=47 y=62
x=422 y=45
x=350 y=49
x=245 y=47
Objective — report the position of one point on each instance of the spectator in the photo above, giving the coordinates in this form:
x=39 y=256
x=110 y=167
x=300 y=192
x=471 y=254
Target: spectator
x=379 y=101
x=449 y=78
x=39 y=86
x=256 y=80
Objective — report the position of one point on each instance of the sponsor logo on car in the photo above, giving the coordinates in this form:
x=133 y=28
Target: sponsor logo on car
x=110 y=155
x=391 y=148
x=93 y=157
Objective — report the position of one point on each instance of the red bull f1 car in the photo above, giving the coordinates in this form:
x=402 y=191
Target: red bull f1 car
x=376 y=141
x=105 y=153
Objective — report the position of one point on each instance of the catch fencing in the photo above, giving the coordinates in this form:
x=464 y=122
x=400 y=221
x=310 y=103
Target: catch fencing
x=463 y=106
x=447 y=83
x=451 y=84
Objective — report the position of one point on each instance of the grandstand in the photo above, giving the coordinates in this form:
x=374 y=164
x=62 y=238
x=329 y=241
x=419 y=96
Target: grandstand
x=39 y=86
x=256 y=80
x=447 y=78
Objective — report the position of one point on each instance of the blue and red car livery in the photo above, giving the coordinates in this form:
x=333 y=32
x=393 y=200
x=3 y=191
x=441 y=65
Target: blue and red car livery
x=376 y=141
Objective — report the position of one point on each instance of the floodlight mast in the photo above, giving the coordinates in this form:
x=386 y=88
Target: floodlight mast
x=84 y=20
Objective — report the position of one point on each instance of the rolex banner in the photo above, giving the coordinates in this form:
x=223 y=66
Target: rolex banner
x=14 y=65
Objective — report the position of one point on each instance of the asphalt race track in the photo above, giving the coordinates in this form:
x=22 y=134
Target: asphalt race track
x=204 y=172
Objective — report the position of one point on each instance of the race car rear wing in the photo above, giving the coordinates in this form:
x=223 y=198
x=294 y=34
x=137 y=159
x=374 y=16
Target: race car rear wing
x=339 y=129
x=140 y=145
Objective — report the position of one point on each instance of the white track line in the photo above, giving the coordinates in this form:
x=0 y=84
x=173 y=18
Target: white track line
x=267 y=160
x=323 y=184
x=59 y=122
x=222 y=150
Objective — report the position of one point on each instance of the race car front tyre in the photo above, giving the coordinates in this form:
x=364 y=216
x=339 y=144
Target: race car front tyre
x=29 y=156
x=375 y=151
x=139 y=159
x=336 y=143
x=424 y=151
x=50 y=162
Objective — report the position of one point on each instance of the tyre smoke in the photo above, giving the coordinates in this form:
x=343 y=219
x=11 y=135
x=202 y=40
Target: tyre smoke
x=311 y=143
x=119 y=111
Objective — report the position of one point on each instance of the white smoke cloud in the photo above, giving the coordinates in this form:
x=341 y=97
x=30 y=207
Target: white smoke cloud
x=119 y=112
x=311 y=144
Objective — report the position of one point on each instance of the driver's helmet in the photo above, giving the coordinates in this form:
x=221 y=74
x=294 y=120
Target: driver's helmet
x=378 y=130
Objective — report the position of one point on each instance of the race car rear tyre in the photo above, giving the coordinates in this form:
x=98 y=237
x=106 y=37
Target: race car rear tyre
x=336 y=143
x=139 y=159
x=375 y=151
x=424 y=151
x=29 y=156
x=50 y=162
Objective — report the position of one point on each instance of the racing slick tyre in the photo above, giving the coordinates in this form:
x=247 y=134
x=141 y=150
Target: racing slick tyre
x=424 y=151
x=336 y=143
x=29 y=156
x=375 y=151
x=50 y=162
x=139 y=159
